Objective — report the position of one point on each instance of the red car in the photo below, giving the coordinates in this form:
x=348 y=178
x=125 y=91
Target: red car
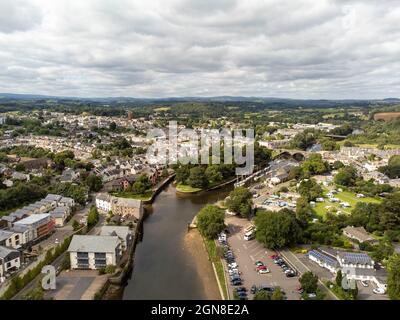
x=274 y=256
x=261 y=268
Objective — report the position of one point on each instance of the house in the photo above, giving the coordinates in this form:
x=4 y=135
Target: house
x=324 y=260
x=359 y=234
x=94 y=252
x=122 y=232
x=69 y=175
x=119 y=206
x=127 y=207
x=60 y=215
x=360 y=266
x=40 y=224
x=10 y=239
x=10 y=260
x=103 y=202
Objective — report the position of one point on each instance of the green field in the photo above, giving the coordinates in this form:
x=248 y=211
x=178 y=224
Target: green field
x=144 y=197
x=344 y=196
x=186 y=189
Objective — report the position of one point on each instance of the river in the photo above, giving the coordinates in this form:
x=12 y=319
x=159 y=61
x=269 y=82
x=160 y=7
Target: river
x=163 y=268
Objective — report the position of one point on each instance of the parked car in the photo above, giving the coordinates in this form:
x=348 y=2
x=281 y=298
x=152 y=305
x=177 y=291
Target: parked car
x=364 y=283
x=241 y=289
x=261 y=268
x=262 y=271
x=379 y=291
x=259 y=263
x=300 y=290
x=233 y=265
x=311 y=296
x=237 y=282
x=253 y=289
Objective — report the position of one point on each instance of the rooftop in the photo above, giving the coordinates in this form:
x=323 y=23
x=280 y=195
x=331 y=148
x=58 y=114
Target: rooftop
x=86 y=243
x=32 y=219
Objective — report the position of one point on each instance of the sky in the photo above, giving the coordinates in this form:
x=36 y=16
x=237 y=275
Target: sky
x=330 y=49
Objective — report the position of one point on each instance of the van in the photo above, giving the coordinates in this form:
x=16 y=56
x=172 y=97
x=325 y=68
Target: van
x=249 y=235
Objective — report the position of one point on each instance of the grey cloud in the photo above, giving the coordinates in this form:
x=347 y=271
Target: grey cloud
x=304 y=48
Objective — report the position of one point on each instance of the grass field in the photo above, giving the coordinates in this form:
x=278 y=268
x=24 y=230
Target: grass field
x=144 y=197
x=186 y=189
x=211 y=247
x=344 y=196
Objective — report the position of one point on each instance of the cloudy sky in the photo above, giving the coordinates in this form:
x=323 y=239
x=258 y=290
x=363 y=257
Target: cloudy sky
x=158 y=48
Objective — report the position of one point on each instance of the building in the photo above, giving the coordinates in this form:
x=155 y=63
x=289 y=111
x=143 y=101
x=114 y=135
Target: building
x=10 y=260
x=360 y=266
x=324 y=260
x=10 y=239
x=122 y=232
x=60 y=215
x=359 y=234
x=2 y=120
x=127 y=207
x=40 y=224
x=103 y=202
x=94 y=252
x=120 y=206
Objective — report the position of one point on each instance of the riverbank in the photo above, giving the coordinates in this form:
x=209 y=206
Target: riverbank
x=184 y=189
x=194 y=244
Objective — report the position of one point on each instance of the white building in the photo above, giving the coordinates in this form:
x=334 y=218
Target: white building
x=94 y=252
x=10 y=260
x=103 y=202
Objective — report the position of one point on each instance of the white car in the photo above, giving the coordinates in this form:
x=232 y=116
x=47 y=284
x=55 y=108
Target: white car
x=364 y=283
x=233 y=265
x=378 y=291
x=262 y=271
x=233 y=271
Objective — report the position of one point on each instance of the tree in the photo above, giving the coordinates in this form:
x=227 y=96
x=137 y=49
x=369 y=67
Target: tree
x=113 y=126
x=75 y=225
x=314 y=165
x=20 y=167
x=339 y=278
x=346 y=176
x=210 y=221
x=262 y=295
x=240 y=201
x=309 y=189
x=309 y=282
x=393 y=280
x=182 y=174
x=392 y=170
x=277 y=294
x=94 y=183
x=304 y=211
x=213 y=174
x=337 y=165
x=197 y=178
x=93 y=217
x=277 y=229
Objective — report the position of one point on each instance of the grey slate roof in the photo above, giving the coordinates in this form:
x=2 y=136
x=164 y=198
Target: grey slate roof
x=4 y=252
x=86 y=243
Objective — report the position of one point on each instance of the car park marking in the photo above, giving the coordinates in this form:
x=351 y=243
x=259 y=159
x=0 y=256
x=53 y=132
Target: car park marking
x=251 y=257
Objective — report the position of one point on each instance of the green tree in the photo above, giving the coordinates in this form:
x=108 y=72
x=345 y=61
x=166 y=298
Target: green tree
x=309 y=189
x=262 y=295
x=210 y=221
x=339 y=278
x=392 y=170
x=346 y=176
x=277 y=229
x=213 y=174
x=197 y=178
x=309 y=282
x=93 y=217
x=393 y=280
x=240 y=201
x=277 y=294
x=94 y=183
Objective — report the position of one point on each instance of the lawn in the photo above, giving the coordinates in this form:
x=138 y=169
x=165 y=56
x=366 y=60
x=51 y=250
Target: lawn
x=344 y=196
x=124 y=194
x=187 y=189
x=213 y=254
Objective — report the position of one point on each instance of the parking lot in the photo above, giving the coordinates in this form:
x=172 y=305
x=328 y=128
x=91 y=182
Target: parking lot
x=247 y=253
